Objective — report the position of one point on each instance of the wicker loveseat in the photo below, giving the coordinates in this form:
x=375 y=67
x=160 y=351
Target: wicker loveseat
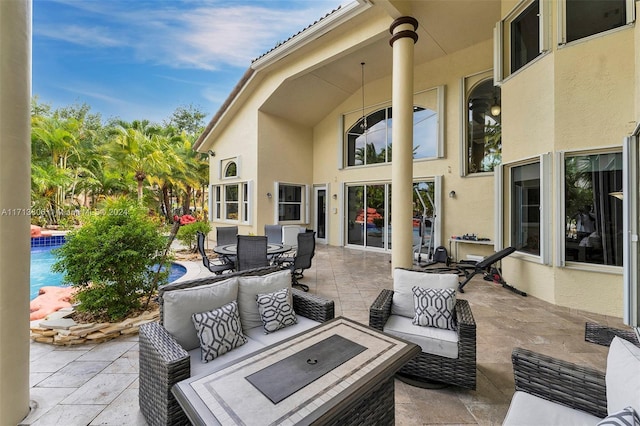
x=447 y=356
x=551 y=391
x=165 y=362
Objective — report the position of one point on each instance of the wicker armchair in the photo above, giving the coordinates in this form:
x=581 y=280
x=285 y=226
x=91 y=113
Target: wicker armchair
x=163 y=362
x=428 y=367
x=575 y=386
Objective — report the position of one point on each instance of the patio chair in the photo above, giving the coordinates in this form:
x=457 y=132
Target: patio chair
x=216 y=268
x=273 y=233
x=302 y=259
x=226 y=235
x=251 y=252
x=448 y=354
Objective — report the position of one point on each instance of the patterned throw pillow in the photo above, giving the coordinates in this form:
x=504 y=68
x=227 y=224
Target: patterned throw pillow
x=626 y=417
x=275 y=310
x=219 y=331
x=434 y=307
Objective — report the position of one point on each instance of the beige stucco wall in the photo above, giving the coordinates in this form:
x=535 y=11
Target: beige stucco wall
x=577 y=97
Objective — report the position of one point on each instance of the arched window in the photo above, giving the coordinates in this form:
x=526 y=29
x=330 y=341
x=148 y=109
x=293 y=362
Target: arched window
x=484 y=133
x=369 y=139
x=231 y=170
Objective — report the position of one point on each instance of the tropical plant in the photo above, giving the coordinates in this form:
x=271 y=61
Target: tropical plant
x=112 y=260
x=187 y=234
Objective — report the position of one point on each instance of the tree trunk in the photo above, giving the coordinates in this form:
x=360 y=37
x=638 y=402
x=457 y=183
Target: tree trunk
x=186 y=202
x=166 y=201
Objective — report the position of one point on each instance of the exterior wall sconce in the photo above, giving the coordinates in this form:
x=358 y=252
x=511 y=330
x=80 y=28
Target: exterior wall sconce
x=334 y=196
x=212 y=153
x=269 y=195
x=452 y=194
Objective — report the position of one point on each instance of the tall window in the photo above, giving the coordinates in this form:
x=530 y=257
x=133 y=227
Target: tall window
x=291 y=203
x=593 y=208
x=525 y=208
x=232 y=202
x=525 y=36
x=584 y=18
x=369 y=140
x=484 y=133
x=521 y=37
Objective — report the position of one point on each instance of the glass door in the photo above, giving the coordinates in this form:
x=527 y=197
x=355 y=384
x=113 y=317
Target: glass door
x=320 y=214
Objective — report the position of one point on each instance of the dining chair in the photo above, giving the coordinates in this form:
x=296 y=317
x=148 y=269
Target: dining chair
x=251 y=252
x=216 y=268
x=302 y=259
x=226 y=235
x=273 y=233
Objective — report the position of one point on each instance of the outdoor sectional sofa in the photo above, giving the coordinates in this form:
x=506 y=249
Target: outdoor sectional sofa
x=170 y=351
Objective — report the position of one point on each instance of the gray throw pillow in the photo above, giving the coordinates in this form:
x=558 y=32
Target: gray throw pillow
x=219 y=331
x=434 y=307
x=275 y=310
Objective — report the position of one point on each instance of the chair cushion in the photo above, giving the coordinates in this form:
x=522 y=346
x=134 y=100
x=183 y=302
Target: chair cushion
x=626 y=417
x=198 y=367
x=219 y=331
x=623 y=376
x=179 y=305
x=248 y=289
x=275 y=310
x=404 y=281
x=435 y=341
x=257 y=334
x=527 y=409
x=434 y=307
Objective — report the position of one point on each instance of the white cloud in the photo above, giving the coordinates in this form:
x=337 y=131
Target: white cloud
x=197 y=35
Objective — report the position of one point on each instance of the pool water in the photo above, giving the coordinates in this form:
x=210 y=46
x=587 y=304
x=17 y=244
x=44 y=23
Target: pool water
x=41 y=275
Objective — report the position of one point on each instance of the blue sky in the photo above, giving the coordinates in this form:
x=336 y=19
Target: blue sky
x=138 y=59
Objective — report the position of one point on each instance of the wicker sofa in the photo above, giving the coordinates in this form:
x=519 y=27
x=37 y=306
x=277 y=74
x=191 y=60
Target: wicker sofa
x=447 y=357
x=551 y=391
x=165 y=362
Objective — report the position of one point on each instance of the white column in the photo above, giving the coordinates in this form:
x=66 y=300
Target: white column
x=402 y=40
x=15 y=166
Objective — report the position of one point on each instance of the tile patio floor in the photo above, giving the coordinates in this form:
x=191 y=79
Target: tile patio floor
x=97 y=384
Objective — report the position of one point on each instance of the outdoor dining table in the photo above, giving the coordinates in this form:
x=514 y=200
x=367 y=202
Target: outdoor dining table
x=230 y=251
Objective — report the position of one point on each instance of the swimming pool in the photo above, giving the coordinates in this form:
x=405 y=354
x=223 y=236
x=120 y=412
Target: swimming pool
x=41 y=275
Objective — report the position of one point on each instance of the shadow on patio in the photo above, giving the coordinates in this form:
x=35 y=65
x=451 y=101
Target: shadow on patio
x=98 y=384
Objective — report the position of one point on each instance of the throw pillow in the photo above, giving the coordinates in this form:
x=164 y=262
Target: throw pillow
x=404 y=280
x=626 y=417
x=622 y=376
x=434 y=307
x=219 y=331
x=250 y=286
x=275 y=310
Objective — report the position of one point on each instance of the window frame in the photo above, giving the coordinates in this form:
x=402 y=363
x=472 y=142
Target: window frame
x=502 y=40
x=354 y=117
x=223 y=164
x=562 y=23
x=219 y=203
x=304 y=204
x=560 y=212
x=544 y=161
x=469 y=83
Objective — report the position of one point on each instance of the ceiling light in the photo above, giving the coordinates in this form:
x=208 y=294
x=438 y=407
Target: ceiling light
x=495 y=108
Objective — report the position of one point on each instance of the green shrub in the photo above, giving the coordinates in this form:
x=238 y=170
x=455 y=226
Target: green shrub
x=112 y=260
x=187 y=233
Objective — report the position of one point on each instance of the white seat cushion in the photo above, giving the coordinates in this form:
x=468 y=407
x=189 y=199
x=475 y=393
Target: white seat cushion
x=435 y=341
x=623 y=376
x=198 y=367
x=404 y=281
x=259 y=335
x=527 y=409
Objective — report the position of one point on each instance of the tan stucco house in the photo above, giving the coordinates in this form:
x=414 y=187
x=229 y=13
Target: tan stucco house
x=516 y=121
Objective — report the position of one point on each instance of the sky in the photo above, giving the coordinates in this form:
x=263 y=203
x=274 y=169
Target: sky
x=142 y=59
